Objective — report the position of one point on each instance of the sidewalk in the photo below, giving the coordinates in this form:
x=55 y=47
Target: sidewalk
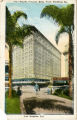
x=29 y=92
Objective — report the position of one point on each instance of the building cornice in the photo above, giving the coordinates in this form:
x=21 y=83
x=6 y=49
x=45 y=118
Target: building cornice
x=34 y=29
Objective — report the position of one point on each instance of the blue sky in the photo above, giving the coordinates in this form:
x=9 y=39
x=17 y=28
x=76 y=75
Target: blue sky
x=33 y=11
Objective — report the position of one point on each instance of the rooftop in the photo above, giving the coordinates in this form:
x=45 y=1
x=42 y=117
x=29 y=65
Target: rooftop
x=34 y=29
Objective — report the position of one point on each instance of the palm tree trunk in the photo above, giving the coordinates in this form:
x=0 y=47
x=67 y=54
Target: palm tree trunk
x=70 y=64
x=10 y=71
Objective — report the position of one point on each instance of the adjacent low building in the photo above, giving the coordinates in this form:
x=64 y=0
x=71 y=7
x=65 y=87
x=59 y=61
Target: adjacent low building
x=39 y=60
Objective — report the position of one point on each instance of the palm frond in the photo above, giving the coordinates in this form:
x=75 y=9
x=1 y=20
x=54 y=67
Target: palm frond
x=20 y=33
x=14 y=34
x=53 y=12
x=17 y=15
x=9 y=25
x=62 y=16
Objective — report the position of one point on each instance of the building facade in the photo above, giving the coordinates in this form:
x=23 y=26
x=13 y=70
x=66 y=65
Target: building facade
x=38 y=60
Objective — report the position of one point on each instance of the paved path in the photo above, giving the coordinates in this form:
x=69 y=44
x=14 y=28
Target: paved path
x=28 y=92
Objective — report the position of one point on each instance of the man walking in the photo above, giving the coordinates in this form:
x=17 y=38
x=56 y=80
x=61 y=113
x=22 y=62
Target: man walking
x=36 y=88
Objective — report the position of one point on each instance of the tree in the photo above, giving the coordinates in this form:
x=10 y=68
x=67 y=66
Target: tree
x=14 y=36
x=64 y=17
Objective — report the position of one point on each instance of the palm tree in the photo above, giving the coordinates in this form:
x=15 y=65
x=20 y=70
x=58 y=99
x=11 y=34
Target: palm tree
x=14 y=36
x=64 y=17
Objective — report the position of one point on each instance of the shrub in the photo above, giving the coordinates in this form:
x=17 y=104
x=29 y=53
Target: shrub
x=63 y=93
x=14 y=94
x=58 y=92
x=66 y=92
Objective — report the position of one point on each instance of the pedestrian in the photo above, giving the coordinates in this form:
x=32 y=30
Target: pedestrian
x=39 y=87
x=36 y=87
x=48 y=90
x=52 y=90
x=18 y=91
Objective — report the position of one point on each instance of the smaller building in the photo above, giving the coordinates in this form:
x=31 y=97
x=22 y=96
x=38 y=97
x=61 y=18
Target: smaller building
x=58 y=81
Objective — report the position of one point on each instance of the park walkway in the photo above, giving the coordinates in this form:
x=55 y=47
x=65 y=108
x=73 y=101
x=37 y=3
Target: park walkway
x=29 y=92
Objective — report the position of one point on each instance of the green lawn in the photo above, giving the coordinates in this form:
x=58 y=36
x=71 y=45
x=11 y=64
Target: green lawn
x=65 y=96
x=13 y=105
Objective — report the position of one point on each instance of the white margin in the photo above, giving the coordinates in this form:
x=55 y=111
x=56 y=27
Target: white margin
x=2 y=69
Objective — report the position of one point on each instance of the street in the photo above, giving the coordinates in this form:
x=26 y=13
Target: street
x=28 y=92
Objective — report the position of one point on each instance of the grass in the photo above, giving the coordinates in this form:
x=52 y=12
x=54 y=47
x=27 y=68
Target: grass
x=13 y=105
x=65 y=96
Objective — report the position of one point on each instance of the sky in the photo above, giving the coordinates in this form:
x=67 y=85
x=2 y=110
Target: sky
x=33 y=10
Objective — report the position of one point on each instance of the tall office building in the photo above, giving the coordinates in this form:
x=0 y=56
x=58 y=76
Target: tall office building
x=38 y=60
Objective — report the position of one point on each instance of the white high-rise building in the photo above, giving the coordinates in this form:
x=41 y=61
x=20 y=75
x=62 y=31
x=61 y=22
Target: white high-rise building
x=38 y=60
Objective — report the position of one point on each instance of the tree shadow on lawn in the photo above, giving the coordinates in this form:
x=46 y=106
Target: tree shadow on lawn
x=48 y=104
